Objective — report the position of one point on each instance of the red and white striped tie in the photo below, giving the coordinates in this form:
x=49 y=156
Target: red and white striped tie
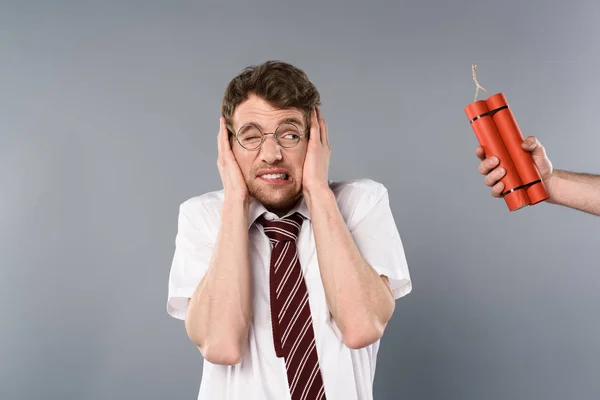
x=293 y=333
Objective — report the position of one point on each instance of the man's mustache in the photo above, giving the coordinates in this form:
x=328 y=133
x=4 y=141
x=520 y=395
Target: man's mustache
x=272 y=166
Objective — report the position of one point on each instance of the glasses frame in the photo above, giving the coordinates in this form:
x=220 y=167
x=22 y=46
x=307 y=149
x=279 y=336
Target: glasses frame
x=264 y=134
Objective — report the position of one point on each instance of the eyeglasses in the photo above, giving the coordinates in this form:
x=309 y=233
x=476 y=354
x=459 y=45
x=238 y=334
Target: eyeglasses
x=251 y=137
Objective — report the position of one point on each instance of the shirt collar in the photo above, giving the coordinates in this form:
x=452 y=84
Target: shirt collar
x=257 y=209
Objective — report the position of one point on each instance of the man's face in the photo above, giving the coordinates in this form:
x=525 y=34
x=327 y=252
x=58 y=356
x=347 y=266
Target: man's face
x=273 y=173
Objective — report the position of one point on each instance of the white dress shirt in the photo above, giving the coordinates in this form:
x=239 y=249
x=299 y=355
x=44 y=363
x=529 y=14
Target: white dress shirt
x=347 y=374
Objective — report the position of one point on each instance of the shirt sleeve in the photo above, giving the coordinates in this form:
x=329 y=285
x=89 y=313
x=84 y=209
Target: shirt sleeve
x=379 y=242
x=193 y=252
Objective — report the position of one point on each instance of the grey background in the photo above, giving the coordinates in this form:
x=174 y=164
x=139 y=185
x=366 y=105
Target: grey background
x=108 y=120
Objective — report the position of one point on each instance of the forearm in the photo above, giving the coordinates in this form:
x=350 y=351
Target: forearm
x=575 y=190
x=220 y=310
x=358 y=299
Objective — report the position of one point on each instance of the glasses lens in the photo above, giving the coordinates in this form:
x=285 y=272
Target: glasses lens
x=250 y=137
x=288 y=135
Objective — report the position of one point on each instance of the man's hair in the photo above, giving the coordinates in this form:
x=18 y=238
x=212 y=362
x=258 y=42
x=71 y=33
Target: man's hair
x=280 y=84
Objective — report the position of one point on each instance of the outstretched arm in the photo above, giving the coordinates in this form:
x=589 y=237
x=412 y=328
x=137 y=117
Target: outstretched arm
x=579 y=191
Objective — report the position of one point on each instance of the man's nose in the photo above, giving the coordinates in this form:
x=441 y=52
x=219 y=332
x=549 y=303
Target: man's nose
x=270 y=151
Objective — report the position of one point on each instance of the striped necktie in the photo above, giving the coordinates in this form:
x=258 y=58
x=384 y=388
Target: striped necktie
x=293 y=333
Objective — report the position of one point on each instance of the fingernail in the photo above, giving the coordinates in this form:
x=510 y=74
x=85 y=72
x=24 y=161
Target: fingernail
x=494 y=160
x=501 y=171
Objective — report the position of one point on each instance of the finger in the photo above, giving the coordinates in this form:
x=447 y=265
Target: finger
x=324 y=131
x=498 y=189
x=532 y=144
x=480 y=153
x=220 y=138
x=493 y=177
x=223 y=139
x=315 y=129
x=487 y=165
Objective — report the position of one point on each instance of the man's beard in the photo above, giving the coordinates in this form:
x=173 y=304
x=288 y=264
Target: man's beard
x=276 y=199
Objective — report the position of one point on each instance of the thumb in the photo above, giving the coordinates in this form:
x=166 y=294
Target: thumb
x=534 y=146
x=538 y=152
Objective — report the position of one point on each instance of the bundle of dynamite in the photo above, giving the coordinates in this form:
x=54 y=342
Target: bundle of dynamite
x=497 y=131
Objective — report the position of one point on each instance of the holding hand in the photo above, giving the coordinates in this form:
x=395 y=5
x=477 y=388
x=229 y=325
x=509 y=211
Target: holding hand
x=488 y=166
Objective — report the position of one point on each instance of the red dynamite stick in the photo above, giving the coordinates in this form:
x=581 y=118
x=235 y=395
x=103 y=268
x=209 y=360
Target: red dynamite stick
x=490 y=139
x=512 y=138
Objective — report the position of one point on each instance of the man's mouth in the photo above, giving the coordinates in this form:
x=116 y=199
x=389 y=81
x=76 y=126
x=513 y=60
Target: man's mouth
x=276 y=177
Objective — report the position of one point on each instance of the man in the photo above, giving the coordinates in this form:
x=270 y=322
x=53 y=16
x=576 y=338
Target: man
x=579 y=191
x=286 y=281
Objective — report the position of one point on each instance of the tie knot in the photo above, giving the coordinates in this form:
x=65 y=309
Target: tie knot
x=282 y=230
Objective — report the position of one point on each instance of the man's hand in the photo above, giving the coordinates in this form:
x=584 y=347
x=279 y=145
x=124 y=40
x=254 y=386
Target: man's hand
x=316 y=163
x=488 y=166
x=234 y=184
